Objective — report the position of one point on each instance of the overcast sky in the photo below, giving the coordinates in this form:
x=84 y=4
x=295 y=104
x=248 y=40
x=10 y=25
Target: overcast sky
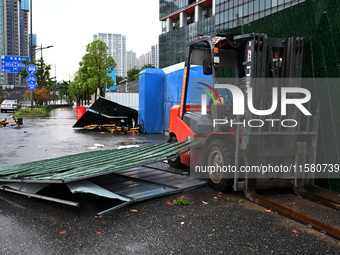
x=69 y=26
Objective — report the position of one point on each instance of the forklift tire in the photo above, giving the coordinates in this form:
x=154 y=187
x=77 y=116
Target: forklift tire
x=220 y=153
x=175 y=162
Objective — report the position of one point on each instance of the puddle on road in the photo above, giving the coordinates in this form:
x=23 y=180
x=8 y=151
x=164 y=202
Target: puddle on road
x=48 y=137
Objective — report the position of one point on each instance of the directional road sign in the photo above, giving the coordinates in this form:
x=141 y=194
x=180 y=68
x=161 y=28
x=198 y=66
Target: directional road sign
x=32 y=69
x=30 y=86
x=12 y=64
x=31 y=79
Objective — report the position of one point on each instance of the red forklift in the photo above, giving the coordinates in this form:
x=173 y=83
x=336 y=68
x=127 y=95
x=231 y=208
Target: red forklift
x=245 y=115
x=243 y=97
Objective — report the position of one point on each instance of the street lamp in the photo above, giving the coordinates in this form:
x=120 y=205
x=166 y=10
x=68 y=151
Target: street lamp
x=41 y=58
x=31 y=48
x=42 y=48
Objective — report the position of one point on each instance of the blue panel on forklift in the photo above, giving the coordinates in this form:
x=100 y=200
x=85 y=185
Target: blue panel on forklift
x=151 y=100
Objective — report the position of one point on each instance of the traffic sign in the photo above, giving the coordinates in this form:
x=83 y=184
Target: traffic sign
x=32 y=69
x=12 y=64
x=32 y=86
x=31 y=79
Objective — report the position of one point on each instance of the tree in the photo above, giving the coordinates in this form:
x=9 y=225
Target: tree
x=40 y=95
x=97 y=65
x=93 y=73
x=133 y=74
x=147 y=66
x=43 y=74
x=45 y=84
x=119 y=79
x=63 y=89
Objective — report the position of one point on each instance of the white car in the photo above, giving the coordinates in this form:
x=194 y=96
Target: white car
x=10 y=105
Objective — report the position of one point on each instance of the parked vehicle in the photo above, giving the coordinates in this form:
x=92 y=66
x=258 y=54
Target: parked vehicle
x=10 y=105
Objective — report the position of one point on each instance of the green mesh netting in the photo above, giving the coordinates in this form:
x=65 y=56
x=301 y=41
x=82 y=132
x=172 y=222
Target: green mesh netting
x=319 y=23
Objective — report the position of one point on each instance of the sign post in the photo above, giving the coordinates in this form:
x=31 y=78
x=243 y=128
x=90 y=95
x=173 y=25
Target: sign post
x=32 y=79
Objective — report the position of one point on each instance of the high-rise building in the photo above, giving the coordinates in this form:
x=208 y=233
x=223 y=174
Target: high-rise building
x=14 y=41
x=117 y=49
x=3 y=36
x=149 y=58
x=183 y=20
x=130 y=60
x=154 y=56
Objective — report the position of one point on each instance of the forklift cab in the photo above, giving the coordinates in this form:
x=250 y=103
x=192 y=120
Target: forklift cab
x=220 y=59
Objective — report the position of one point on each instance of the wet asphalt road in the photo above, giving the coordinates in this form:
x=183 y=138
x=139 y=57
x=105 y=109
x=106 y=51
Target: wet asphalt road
x=213 y=224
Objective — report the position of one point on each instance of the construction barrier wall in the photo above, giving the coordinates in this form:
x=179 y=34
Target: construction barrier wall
x=318 y=21
x=173 y=90
x=124 y=98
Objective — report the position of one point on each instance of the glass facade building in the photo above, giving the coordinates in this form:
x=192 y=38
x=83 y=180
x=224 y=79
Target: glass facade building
x=183 y=20
x=234 y=13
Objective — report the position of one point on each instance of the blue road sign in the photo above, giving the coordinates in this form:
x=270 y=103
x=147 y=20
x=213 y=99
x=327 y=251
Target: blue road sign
x=31 y=79
x=32 y=86
x=31 y=69
x=12 y=64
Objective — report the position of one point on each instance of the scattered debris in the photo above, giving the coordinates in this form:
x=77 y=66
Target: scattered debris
x=127 y=146
x=63 y=232
x=180 y=201
x=15 y=121
x=106 y=115
x=205 y=203
x=133 y=210
x=295 y=232
x=99 y=145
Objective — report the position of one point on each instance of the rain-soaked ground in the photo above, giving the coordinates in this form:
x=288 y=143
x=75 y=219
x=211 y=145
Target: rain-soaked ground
x=41 y=138
x=213 y=223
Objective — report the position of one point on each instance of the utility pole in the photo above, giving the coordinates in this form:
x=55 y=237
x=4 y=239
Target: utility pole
x=31 y=48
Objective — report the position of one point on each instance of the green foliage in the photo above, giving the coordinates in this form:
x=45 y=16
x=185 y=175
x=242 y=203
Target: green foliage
x=94 y=70
x=180 y=201
x=41 y=111
x=133 y=74
x=119 y=79
x=63 y=88
x=43 y=74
